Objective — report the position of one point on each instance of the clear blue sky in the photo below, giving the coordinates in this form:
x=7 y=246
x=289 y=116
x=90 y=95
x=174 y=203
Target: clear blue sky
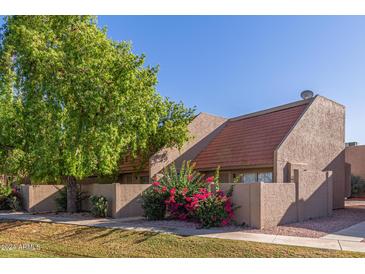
x=232 y=65
x=235 y=65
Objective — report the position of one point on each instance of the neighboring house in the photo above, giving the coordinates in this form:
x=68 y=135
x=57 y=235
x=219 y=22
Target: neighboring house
x=266 y=146
x=355 y=162
x=355 y=156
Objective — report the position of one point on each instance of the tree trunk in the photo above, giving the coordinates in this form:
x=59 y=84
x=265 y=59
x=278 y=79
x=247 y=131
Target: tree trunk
x=71 y=194
x=27 y=180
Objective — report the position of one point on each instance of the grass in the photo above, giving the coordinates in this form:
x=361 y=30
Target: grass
x=58 y=240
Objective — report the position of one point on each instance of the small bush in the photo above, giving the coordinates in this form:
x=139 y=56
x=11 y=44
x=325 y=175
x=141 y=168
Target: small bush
x=188 y=178
x=154 y=204
x=14 y=203
x=99 y=206
x=61 y=200
x=9 y=198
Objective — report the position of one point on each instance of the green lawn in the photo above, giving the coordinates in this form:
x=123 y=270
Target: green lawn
x=57 y=240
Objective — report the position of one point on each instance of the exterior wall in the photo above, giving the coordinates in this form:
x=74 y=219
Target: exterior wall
x=40 y=198
x=316 y=143
x=355 y=156
x=246 y=197
x=124 y=200
x=314 y=195
x=260 y=204
x=278 y=204
x=106 y=190
x=264 y=205
x=202 y=130
x=128 y=200
x=132 y=178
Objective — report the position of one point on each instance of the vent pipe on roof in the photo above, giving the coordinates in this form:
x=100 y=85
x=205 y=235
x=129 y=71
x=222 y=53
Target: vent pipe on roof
x=351 y=144
x=306 y=94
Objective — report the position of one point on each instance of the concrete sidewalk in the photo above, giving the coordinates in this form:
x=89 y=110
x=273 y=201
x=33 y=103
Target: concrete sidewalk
x=355 y=233
x=231 y=234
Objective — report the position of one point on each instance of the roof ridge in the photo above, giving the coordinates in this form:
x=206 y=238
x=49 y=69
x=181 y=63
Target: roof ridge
x=271 y=110
x=210 y=114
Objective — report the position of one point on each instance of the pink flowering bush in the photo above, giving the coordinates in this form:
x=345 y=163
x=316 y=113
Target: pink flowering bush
x=187 y=196
x=215 y=210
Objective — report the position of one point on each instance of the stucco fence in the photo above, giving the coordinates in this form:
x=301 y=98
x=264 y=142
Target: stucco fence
x=260 y=205
x=124 y=200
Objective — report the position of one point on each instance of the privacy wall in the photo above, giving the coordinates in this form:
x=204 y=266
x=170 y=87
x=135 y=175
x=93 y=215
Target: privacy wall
x=124 y=200
x=260 y=205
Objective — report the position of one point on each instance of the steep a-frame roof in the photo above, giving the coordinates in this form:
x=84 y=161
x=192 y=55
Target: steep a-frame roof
x=250 y=140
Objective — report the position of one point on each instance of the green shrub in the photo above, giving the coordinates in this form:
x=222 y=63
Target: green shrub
x=182 y=184
x=357 y=185
x=188 y=178
x=61 y=200
x=98 y=206
x=153 y=204
x=14 y=203
x=9 y=198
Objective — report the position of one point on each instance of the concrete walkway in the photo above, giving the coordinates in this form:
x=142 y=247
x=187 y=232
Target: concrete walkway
x=355 y=233
x=231 y=234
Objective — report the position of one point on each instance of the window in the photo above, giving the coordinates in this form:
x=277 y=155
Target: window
x=265 y=177
x=249 y=177
x=128 y=179
x=224 y=177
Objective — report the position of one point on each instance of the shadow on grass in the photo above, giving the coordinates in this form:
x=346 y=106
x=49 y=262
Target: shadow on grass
x=10 y=224
x=105 y=234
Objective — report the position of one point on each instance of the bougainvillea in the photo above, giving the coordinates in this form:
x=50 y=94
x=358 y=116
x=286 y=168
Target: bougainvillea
x=187 y=196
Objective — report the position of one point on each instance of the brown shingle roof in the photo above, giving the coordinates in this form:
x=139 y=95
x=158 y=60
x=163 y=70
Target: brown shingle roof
x=251 y=139
x=131 y=165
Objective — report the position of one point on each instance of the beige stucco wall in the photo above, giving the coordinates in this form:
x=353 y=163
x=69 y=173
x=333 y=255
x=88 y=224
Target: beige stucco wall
x=355 y=156
x=202 y=130
x=264 y=205
x=40 y=198
x=124 y=200
x=278 y=204
x=316 y=143
x=315 y=194
x=246 y=197
x=106 y=190
x=128 y=200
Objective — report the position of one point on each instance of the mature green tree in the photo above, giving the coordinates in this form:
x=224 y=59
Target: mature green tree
x=73 y=101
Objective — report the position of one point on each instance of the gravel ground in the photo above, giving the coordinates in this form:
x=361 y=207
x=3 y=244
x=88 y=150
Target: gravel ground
x=316 y=228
